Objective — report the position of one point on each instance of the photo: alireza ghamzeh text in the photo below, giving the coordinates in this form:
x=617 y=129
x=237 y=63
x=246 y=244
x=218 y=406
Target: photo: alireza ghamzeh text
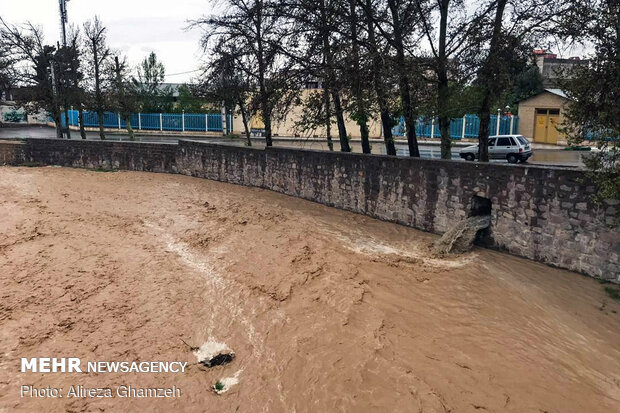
x=310 y=206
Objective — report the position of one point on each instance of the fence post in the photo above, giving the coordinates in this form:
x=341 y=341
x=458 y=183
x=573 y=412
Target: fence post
x=224 y=119
x=512 y=121
x=206 y=122
x=433 y=126
x=183 y=120
x=139 y=120
x=464 y=124
x=161 y=124
x=499 y=118
x=118 y=115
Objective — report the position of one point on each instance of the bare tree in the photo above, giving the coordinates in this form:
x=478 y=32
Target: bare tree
x=34 y=65
x=98 y=53
x=452 y=43
x=258 y=29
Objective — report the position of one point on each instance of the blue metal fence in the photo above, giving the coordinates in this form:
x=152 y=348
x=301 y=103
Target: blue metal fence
x=466 y=127
x=207 y=122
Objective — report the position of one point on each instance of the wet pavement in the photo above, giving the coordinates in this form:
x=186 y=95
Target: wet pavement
x=431 y=150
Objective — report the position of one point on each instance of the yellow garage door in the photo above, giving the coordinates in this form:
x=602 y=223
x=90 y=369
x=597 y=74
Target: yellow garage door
x=545 y=128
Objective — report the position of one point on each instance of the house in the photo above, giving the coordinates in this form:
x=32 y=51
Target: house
x=541 y=114
x=553 y=69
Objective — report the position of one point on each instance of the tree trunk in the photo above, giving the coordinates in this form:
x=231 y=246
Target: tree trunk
x=403 y=80
x=244 y=119
x=377 y=68
x=489 y=72
x=342 y=128
x=361 y=115
x=132 y=136
x=81 y=120
x=98 y=97
x=58 y=122
x=264 y=97
x=68 y=130
x=443 y=92
x=328 y=116
x=100 y=119
x=483 y=133
x=329 y=81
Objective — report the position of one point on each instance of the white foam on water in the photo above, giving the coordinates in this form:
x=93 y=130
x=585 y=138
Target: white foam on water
x=210 y=349
x=228 y=382
x=220 y=286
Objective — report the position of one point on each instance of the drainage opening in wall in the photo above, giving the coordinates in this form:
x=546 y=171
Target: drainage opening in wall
x=481 y=206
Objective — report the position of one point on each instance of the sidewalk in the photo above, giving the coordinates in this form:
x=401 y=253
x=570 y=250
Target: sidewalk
x=154 y=134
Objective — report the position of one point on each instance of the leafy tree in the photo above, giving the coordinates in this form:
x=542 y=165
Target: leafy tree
x=452 y=45
x=69 y=79
x=379 y=71
x=226 y=80
x=154 y=95
x=78 y=95
x=594 y=90
x=122 y=97
x=188 y=101
x=506 y=36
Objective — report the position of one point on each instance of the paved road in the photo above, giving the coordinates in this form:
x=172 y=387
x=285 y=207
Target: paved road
x=541 y=156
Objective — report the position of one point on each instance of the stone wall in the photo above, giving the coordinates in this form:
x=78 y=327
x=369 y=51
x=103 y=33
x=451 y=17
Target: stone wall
x=542 y=213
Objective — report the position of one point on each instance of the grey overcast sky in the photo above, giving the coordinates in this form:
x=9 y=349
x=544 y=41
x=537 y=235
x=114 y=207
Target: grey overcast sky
x=135 y=27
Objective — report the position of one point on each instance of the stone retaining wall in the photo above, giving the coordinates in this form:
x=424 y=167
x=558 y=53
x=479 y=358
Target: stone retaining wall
x=541 y=213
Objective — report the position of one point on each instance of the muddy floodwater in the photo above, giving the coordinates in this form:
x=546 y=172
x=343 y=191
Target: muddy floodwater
x=325 y=310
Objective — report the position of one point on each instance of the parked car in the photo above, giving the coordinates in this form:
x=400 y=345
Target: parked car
x=513 y=148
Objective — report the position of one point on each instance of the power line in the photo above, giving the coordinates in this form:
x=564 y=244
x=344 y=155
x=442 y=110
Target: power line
x=183 y=73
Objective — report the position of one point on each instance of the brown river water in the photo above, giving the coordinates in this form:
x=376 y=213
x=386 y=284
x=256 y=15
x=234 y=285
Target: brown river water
x=325 y=310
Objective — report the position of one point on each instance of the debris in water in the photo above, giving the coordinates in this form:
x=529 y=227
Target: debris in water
x=223 y=385
x=462 y=236
x=213 y=353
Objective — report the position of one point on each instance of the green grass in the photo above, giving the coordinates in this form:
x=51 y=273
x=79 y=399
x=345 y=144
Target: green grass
x=219 y=386
x=613 y=293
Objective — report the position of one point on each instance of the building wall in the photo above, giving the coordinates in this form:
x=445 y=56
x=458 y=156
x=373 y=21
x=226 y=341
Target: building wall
x=286 y=126
x=541 y=213
x=527 y=112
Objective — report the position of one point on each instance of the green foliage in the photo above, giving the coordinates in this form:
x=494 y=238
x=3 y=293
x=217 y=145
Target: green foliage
x=188 y=102
x=594 y=90
x=218 y=386
x=613 y=292
x=526 y=84
x=152 y=94
x=313 y=114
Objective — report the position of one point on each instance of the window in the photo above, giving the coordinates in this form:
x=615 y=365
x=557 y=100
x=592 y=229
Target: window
x=512 y=141
x=503 y=142
x=523 y=140
x=492 y=142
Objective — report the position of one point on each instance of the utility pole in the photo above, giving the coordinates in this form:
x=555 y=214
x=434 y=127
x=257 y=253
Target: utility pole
x=63 y=20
